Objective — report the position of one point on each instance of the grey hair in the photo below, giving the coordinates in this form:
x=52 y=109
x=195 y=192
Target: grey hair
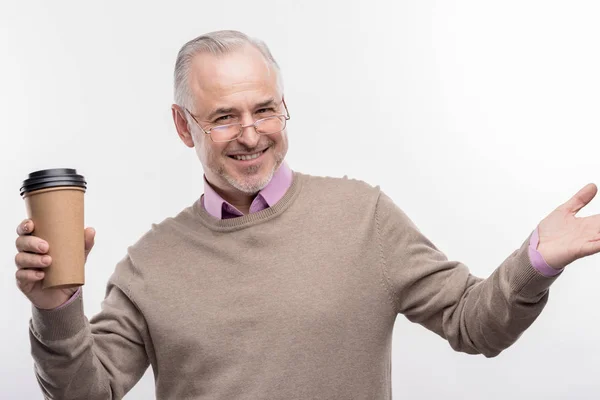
x=216 y=43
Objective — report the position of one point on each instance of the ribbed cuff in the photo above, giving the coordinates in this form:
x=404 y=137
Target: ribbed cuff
x=60 y=323
x=524 y=278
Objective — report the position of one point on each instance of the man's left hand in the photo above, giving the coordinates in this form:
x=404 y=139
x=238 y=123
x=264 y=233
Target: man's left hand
x=564 y=237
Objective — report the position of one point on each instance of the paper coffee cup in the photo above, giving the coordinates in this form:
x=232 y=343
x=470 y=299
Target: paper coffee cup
x=54 y=202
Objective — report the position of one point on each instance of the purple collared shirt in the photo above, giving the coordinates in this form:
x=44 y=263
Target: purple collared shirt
x=216 y=206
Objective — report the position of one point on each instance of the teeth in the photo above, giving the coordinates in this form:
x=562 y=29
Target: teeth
x=249 y=157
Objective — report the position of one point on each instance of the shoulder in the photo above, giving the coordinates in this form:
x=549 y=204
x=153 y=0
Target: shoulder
x=340 y=186
x=164 y=239
x=157 y=251
x=342 y=193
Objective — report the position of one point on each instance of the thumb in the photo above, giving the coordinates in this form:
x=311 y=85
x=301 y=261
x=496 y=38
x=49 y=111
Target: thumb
x=89 y=237
x=581 y=198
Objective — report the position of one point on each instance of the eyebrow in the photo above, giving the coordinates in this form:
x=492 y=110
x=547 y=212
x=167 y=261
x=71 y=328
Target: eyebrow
x=220 y=110
x=228 y=110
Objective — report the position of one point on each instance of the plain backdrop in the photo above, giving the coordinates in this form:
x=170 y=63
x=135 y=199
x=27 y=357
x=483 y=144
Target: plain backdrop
x=478 y=118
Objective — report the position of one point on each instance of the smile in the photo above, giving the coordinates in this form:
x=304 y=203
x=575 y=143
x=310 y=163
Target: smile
x=248 y=157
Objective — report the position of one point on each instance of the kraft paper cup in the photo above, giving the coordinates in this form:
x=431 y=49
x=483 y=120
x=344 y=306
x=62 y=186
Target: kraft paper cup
x=54 y=199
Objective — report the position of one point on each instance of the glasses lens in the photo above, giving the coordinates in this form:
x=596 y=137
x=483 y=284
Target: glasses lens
x=224 y=133
x=270 y=125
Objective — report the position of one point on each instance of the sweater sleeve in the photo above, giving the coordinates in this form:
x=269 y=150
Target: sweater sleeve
x=98 y=359
x=475 y=315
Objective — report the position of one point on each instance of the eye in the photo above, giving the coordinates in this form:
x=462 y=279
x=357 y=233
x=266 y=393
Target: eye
x=265 y=110
x=223 y=118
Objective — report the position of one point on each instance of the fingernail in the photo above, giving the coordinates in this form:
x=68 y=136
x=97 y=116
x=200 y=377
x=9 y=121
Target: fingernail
x=25 y=228
x=46 y=260
x=43 y=247
x=39 y=274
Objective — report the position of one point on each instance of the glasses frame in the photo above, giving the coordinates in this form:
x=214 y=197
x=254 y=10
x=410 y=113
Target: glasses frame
x=242 y=127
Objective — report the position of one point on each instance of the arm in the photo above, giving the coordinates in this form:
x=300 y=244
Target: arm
x=100 y=359
x=476 y=316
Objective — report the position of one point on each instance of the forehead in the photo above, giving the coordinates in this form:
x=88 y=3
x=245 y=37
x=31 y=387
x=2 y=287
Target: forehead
x=243 y=71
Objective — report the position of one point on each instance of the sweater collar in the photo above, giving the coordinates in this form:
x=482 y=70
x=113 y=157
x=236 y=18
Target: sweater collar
x=248 y=220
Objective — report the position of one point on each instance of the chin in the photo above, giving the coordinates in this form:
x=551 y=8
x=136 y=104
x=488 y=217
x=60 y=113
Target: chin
x=252 y=183
x=249 y=186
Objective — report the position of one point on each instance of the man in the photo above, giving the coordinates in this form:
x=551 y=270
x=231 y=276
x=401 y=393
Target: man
x=276 y=284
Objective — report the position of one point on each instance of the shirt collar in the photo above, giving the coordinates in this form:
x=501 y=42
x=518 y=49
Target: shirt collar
x=216 y=206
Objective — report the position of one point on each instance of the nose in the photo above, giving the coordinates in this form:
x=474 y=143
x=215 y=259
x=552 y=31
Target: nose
x=249 y=137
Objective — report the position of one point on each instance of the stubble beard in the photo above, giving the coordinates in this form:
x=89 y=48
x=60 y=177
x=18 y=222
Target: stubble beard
x=248 y=182
x=246 y=186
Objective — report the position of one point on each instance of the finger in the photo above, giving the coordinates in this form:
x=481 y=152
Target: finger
x=28 y=260
x=581 y=198
x=26 y=278
x=32 y=244
x=90 y=235
x=25 y=227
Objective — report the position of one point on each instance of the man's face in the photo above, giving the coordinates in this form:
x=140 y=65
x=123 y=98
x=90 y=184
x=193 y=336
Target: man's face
x=240 y=87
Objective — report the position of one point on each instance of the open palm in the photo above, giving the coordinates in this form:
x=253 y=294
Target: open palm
x=564 y=237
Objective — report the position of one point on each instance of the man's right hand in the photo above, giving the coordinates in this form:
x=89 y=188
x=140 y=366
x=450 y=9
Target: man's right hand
x=31 y=262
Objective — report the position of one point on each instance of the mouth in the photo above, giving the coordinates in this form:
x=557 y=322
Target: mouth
x=249 y=158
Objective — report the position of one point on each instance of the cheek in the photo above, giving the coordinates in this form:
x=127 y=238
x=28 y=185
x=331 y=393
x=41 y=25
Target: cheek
x=204 y=149
x=281 y=141
x=213 y=151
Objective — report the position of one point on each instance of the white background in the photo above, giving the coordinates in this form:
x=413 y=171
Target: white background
x=478 y=118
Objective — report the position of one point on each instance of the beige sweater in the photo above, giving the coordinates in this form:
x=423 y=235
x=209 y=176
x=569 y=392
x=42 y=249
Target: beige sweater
x=297 y=301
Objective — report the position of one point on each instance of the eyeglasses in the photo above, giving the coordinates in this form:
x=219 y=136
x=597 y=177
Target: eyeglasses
x=229 y=132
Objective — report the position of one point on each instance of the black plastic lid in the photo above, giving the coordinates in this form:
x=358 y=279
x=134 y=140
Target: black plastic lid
x=48 y=178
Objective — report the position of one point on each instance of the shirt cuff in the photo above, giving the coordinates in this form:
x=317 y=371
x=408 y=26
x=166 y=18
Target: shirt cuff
x=73 y=297
x=537 y=261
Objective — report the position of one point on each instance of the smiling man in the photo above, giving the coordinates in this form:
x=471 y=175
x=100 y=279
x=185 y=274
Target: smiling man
x=275 y=284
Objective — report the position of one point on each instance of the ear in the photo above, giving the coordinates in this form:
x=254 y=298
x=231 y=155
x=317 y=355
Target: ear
x=181 y=124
